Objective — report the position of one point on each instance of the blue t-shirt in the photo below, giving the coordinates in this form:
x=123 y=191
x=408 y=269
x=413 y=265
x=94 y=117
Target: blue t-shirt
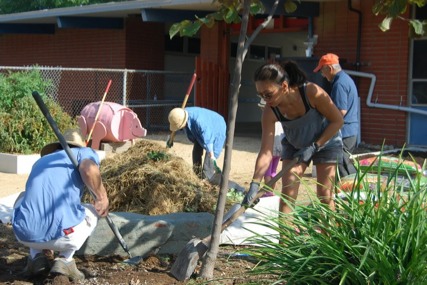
x=52 y=200
x=206 y=127
x=344 y=95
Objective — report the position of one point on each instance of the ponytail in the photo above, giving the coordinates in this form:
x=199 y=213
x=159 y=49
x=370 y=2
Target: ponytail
x=297 y=76
x=286 y=71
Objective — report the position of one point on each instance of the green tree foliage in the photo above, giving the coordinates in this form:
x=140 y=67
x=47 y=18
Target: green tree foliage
x=229 y=11
x=394 y=10
x=24 y=129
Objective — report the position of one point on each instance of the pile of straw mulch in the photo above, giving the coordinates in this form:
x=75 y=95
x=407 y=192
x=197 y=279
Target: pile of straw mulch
x=146 y=179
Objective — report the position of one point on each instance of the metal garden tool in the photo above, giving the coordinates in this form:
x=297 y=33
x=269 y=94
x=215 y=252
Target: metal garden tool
x=73 y=159
x=196 y=248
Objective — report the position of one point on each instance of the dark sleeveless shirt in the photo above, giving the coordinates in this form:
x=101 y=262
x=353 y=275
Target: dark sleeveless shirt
x=305 y=130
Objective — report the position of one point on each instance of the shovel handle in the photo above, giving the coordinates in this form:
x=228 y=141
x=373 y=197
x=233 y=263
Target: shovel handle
x=54 y=127
x=261 y=192
x=193 y=79
x=184 y=103
x=73 y=159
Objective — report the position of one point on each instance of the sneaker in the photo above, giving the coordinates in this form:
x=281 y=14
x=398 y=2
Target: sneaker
x=36 y=266
x=67 y=268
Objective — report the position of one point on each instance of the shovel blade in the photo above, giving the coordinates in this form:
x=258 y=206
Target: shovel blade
x=134 y=260
x=187 y=260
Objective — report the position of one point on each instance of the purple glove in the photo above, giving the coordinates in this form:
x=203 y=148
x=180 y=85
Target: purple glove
x=305 y=154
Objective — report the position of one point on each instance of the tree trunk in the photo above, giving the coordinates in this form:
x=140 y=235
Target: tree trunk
x=211 y=255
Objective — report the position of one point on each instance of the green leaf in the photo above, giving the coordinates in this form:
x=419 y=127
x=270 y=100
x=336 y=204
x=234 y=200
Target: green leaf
x=209 y=20
x=385 y=24
x=256 y=8
x=290 y=6
x=191 y=29
x=398 y=7
x=420 y=3
x=174 y=29
x=231 y=15
x=417 y=26
x=218 y=16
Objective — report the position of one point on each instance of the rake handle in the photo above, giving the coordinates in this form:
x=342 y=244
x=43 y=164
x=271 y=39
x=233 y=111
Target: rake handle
x=99 y=111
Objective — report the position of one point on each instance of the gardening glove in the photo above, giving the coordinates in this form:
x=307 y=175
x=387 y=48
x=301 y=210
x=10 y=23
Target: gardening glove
x=169 y=142
x=250 y=195
x=216 y=167
x=305 y=154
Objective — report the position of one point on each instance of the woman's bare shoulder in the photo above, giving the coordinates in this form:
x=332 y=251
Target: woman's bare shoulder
x=313 y=88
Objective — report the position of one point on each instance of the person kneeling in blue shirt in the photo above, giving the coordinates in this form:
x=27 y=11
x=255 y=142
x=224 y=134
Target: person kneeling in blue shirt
x=49 y=216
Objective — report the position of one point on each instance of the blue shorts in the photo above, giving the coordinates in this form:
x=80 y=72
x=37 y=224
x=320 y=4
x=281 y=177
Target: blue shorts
x=330 y=153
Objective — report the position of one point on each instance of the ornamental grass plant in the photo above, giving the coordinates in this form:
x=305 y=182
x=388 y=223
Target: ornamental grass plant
x=378 y=236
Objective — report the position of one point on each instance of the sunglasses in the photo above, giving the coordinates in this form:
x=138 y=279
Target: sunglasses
x=267 y=96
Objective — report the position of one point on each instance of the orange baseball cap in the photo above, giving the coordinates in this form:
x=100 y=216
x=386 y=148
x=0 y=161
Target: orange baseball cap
x=327 y=59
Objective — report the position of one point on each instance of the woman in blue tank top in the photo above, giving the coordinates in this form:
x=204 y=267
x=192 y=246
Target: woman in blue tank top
x=311 y=123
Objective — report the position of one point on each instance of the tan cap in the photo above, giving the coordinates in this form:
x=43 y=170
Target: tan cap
x=73 y=138
x=177 y=119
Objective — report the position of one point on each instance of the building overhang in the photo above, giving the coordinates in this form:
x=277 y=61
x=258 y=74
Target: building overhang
x=112 y=15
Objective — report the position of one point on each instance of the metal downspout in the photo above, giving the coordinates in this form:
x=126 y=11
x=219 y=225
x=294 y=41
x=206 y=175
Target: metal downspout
x=378 y=105
x=359 y=33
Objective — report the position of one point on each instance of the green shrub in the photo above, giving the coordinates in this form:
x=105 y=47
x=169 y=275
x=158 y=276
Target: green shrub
x=378 y=240
x=24 y=128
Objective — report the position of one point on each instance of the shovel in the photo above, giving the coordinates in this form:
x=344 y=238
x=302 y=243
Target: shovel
x=63 y=142
x=195 y=249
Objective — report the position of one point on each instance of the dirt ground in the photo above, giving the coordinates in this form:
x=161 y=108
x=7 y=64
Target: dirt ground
x=229 y=269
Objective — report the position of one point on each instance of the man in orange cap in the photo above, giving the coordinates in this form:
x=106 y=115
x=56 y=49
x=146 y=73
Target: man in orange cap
x=344 y=94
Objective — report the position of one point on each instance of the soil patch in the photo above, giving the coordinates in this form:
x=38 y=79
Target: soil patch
x=229 y=268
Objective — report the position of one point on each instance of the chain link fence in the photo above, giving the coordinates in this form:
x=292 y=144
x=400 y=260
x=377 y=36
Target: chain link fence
x=151 y=94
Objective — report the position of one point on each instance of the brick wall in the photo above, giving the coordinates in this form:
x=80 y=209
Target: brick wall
x=138 y=46
x=144 y=44
x=66 y=48
x=385 y=54
x=144 y=50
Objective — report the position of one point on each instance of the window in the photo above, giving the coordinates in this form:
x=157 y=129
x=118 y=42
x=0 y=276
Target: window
x=274 y=52
x=258 y=52
x=194 y=45
x=418 y=81
x=182 y=44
